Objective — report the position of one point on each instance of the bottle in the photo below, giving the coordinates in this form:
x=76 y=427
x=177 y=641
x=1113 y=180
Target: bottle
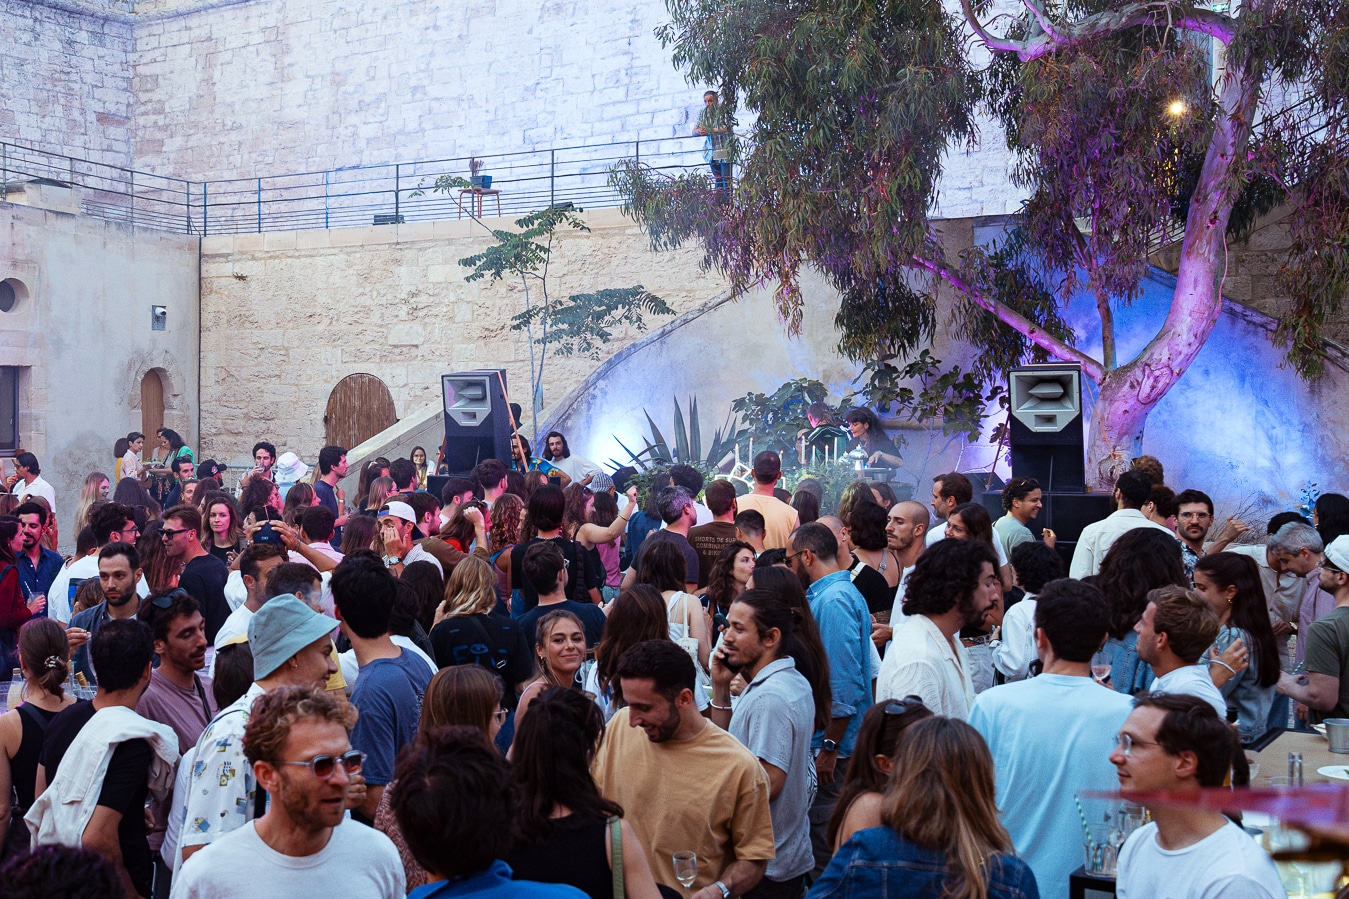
x=16 y=686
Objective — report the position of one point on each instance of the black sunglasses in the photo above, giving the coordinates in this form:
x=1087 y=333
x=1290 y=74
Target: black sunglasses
x=324 y=765
x=910 y=703
x=166 y=600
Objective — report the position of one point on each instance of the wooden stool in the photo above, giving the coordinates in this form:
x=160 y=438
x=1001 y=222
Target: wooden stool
x=475 y=200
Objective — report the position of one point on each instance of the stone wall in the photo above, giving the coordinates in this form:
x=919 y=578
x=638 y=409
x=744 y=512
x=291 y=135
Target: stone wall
x=65 y=72
x=287 y=316
x=81 y=333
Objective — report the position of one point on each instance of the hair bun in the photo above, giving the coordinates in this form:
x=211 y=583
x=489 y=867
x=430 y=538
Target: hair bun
x=53 y=661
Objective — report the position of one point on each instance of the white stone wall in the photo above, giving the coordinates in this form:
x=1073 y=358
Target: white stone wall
x=287 y=316
x=65 y=78
x=83 y=336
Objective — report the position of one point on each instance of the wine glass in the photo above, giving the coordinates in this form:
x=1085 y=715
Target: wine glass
x=686 y=868
x=1100 y=666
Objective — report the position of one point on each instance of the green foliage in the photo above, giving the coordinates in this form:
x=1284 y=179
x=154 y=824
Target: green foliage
x=834 y=478
x=524 y=253
x=584 y=322
x=688 y=443
x=775 y=419
x=956 y=398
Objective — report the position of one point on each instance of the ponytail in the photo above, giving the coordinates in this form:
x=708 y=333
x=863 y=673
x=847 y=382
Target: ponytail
x=45 y=651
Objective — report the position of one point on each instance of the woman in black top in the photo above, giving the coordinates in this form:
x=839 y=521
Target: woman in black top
x=867 y=433
x=44 y=655
x=565 y=826
x=224 y=531
x=467 y=632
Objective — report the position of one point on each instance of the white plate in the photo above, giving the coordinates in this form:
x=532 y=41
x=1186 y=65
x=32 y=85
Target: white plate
x=1338 y=772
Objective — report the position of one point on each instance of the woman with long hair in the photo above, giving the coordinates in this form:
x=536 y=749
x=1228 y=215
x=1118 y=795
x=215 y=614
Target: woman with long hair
x=565 y=827
x=418 y=458
x=875 y=570
x=873 y=761
x=428 y=584
x=371 y=470
x=1140 y=560
x=224 y=537
x=662 y=566
x=260 y=494
x=1230 y=584
x=635 y=616
x=560 y=645
x=380 y=491
x=466 y=630
x=119 y=450
x=161 y=570
x=508 y=513
x=95 y=487
x=867 y=433
x=854 y=493
x=576 y=525
x=14 y=608
x=602 y=514
x=730 y=575
x=298 y=498
x=807 y=506
x=808 y=651
x=44 y=658
x=462 y=695
x=130 y=492
x=358 y=533
x=942 y=836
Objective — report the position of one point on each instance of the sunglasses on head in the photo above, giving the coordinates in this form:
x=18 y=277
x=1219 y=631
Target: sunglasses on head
x=904 y=706
x=167 y=599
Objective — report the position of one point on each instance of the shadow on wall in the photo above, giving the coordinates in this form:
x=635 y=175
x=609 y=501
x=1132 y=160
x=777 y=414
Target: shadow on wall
x=1238 y=426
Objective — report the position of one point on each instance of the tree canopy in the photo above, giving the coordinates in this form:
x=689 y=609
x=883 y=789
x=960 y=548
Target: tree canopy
x=1133 y=126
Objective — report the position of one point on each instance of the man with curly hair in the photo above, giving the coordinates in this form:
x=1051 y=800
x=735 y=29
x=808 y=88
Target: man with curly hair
x=953 y=585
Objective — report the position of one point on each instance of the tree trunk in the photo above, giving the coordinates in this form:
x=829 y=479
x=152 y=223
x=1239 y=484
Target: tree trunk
x=1130 y=392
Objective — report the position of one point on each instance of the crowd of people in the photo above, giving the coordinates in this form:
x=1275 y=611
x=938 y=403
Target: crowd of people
x=540 y=682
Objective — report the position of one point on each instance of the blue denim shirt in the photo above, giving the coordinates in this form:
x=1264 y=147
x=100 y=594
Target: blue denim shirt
x=880 y=864
x=845 y=629
x=1128 y=673
x=37 y=580
x=495 y=881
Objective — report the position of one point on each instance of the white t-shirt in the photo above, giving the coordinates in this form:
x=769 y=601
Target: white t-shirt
x=39 y=487
x=60 y=599
x=1227 y=864
x=1013 y=654
x=359 y=862
x=1192 y=680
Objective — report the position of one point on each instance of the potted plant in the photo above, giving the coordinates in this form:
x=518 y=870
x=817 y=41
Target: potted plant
x=482 y=182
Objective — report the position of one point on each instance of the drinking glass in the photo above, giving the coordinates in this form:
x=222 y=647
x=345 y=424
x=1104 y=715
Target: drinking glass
x=686 y=868
x=1100 y=666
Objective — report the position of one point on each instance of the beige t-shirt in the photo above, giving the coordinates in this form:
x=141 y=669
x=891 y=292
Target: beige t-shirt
x=708 y=794
x=779 y=518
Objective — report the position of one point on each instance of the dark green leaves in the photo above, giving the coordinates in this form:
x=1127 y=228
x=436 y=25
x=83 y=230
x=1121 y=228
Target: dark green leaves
x=584 y=322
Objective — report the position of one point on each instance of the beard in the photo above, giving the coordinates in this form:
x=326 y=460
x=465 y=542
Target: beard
x=970 y=614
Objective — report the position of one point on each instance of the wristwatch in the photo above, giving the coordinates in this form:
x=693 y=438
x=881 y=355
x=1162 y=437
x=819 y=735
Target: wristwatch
x=829 y=746
x=390 y=561
x=725 y=890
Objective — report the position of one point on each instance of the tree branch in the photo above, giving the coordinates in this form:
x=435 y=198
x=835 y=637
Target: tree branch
x=1036 y=334
x=1202 y=21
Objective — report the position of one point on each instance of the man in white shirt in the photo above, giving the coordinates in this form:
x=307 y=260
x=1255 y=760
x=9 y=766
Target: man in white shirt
x=1049 y=735
x=398 y=532
x=27 y=481
x=953 y=585
x=1176 y=629
x=1132 y=491
x=1013 y=645
x=574 y=469
x=948 y=491
x=298 y=743
x=1175 y=743
x=255 y=563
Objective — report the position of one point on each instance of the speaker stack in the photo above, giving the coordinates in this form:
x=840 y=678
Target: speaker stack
x=477 y=420
x=1046 y=439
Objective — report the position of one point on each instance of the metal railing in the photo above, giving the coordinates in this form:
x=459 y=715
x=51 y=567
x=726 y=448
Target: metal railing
x=359 y=195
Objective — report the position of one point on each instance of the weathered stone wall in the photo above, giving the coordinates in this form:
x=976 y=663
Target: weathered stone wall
x=83 y=340
x=287 y=316
x=65 y=78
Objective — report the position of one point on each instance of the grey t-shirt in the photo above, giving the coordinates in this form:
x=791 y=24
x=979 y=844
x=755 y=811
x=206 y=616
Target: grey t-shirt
x=775 y=719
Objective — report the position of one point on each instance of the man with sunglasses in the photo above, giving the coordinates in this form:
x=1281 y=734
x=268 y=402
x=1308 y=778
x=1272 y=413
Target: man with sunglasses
x=1050 y=735
x=292 y=646
x=1178 y=743
x=298 y=743
x=203 y=574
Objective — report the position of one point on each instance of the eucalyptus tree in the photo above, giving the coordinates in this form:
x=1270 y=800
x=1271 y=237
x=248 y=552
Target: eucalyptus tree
x=1133 y=125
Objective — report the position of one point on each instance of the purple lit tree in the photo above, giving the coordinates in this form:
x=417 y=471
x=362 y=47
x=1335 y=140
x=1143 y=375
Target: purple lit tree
x=1134 y=125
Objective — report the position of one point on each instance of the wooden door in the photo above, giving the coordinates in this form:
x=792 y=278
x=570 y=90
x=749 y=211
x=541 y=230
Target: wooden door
x=358 y=408
x=152 y=408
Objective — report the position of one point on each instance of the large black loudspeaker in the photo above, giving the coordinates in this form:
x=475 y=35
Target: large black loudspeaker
x=477 y=421
x=1045 y=431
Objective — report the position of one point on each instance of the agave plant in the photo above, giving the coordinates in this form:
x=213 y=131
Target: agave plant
x=688 y=442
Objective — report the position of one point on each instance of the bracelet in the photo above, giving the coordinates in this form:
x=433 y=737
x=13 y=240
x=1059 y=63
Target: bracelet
x=720 y=708
x=1224 y=664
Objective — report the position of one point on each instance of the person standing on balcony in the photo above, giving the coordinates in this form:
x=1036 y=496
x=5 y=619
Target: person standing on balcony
x=715 y=125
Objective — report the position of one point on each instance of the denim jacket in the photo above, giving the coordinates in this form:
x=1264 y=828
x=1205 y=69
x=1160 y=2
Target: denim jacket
x=880 y=864
x=1128 y=673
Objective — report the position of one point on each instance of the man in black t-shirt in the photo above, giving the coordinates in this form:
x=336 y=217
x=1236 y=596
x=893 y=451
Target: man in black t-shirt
x=203 y=574
x=121 y=651
x=546 y=570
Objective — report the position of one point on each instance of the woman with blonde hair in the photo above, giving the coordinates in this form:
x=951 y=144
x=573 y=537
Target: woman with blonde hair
x=942 y=838
x=464 y=695
x=468 y=632
x=380 y=491
x=95 y=488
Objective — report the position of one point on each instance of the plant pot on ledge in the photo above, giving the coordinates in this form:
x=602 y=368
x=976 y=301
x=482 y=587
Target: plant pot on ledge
x=481 y=182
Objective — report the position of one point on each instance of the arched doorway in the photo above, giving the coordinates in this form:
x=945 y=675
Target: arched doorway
x=358 y=408
x=152 y=406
